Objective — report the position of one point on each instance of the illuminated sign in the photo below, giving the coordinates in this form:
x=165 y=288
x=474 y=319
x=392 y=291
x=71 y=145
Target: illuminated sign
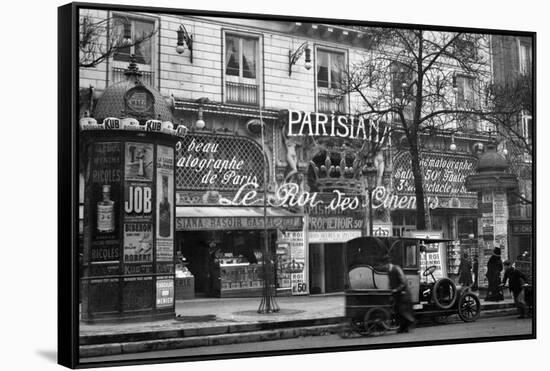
x=290 y=195
x=320 y=124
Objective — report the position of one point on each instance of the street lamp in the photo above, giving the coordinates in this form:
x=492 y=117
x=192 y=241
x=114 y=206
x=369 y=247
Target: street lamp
x=184 y=38
x=370 y=172
x=453 y=144
x=294 y=56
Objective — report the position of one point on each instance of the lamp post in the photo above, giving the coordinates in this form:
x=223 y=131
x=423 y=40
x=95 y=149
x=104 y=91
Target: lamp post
x=370 y=172
x=268 y=303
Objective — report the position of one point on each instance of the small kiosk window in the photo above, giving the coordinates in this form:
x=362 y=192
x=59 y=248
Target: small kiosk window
x=410 y=256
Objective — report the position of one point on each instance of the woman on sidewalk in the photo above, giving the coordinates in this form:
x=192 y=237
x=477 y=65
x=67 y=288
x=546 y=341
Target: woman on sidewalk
x=494 y=267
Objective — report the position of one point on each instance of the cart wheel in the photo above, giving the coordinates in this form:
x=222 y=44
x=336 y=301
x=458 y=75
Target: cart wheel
x=469 y=307
x=444 y=293
x=377 y=321
x=345 y=331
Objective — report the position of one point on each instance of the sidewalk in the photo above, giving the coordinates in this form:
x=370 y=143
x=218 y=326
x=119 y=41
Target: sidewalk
x=213 y=321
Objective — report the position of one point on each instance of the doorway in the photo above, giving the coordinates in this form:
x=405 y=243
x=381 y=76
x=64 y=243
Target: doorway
x=334 y=267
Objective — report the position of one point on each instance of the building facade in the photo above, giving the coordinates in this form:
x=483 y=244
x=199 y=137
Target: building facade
x=513 y=67
x=273 y=151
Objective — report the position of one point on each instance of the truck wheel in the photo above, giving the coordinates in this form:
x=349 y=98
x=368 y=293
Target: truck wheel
x=444 y=293
x=469 y=307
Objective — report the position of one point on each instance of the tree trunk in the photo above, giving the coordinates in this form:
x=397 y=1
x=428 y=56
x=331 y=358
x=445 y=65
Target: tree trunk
x=418 y=183
x=413 y=140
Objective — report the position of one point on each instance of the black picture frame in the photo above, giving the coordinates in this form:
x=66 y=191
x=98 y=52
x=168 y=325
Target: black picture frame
x=69 y=138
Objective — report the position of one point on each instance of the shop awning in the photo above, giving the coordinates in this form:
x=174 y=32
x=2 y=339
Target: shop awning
x=235 y=218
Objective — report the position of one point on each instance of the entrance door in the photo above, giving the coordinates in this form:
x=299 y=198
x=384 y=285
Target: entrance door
x=194 y=248
x=334 y=267
x=316 y=268
x=467 y=234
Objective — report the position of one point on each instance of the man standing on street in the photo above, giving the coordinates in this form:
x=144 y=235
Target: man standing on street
x=516 y=281
x=401 y=295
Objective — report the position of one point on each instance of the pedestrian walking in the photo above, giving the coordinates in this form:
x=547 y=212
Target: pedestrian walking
x=465 y=271
x=494 y=267
x=516 y=280
x=401 y=293
x=475 y=271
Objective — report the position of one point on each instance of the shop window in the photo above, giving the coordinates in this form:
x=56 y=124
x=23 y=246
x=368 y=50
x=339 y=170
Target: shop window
x=144 y=52
x=242 y=69
x=403 y=223
x=410 y=219
x=330 y=71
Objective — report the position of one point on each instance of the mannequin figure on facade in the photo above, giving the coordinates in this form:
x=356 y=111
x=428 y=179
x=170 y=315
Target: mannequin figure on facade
x=379 y=164
x=291 y=153
x=302 y=183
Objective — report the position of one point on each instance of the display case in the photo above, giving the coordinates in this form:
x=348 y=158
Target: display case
x=283 y=276
x=185 y=282
x=239 y=279
x=453 y=257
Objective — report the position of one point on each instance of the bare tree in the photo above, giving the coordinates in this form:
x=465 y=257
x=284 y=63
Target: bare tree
x=101 y=39
x=512 y=103
x=425 y=82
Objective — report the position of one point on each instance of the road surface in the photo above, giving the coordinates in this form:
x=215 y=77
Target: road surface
x=484 y=327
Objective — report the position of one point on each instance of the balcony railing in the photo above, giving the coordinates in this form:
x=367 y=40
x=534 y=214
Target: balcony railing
x=329 y=103
x=146 y=76
x=242 y=93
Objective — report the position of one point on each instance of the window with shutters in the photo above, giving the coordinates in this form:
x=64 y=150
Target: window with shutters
x=330 y=69
x=242 y=69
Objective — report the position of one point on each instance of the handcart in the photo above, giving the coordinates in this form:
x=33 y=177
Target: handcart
x=369 y=302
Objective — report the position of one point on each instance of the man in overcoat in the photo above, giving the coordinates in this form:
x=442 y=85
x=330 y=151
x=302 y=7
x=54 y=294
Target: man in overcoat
x=401 y=295
x=516 y=280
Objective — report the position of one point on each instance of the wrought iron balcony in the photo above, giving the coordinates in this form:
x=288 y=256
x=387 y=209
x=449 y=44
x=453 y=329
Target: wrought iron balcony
x=240 y=93
x=329 y=103
x=147 y=77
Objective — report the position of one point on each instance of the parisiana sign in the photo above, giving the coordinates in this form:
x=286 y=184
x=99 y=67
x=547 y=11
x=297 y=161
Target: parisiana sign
x=350 y=127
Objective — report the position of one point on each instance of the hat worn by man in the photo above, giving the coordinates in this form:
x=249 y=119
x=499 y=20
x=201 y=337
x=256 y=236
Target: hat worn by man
x=496 y=251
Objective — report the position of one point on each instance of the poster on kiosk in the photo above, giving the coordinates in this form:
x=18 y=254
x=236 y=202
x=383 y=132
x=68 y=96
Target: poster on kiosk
x=434 y=254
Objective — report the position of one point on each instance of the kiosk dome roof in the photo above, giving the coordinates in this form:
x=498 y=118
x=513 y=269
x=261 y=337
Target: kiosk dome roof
x=491 y=160
x=114 y=99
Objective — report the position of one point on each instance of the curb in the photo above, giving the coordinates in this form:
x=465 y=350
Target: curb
x=117 y=344
x=98 y=350
x=240 y=329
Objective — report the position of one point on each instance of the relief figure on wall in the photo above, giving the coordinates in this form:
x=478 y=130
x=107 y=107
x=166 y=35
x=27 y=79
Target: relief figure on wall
x=290 y=145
